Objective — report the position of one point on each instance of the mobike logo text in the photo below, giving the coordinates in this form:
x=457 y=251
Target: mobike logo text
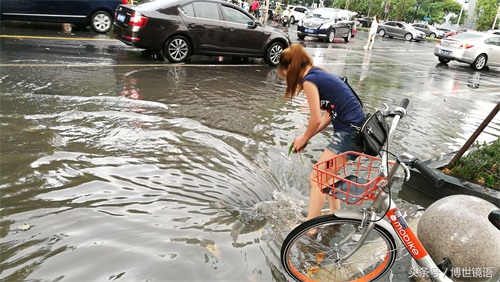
x=411 y=242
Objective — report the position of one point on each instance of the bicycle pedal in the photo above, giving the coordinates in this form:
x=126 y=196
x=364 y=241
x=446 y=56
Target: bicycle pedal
x=327 y=190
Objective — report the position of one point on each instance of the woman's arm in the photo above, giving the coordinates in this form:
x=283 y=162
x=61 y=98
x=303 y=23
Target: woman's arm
x=325 y=121
x=315 y=119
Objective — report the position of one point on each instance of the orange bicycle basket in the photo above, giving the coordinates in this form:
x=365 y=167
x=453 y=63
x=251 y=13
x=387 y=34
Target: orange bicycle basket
x=351 y=181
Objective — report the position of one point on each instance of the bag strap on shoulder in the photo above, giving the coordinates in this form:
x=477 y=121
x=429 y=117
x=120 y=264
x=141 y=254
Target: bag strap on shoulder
x=344 y=79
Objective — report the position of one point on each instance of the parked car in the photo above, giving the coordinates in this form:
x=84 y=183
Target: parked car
x=327 y=24
x=494 y=31
x=400 y=29
x=96 y=13
x=365 y=21
x=477 y=49
x=181 y=28
x=429 y=30
x=297 y=13
x=447 y=32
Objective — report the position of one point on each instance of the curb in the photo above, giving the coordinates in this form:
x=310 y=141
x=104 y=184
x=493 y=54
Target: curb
x=419 y=185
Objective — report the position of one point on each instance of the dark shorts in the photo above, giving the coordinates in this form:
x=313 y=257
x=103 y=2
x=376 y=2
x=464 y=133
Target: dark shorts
x=343 y=141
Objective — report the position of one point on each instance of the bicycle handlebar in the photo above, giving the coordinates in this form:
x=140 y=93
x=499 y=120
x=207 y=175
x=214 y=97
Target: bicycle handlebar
x=427 y=172
x=399 y=113
x=404 y=103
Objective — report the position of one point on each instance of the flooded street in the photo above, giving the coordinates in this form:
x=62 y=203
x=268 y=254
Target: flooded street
x=118 y=166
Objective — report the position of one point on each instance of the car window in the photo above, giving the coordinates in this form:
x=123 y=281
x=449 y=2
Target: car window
x=188 y=10
x=323 y=14
x=467 y=35
x=391 y=23
x=344 y=16
x=206 y=10
x=157 y=5
x=233 y=15
x=493 y=41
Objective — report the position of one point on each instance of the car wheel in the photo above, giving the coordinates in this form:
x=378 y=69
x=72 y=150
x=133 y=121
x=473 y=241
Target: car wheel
x=432 y=35
x=101 y=22
x=331 y=35
x=177 y=49
x=381 y=33
x=292 y=20
x=348 y=38
x=272 y=56
x=301 y=37
x=443 y=60
x=408 y=37
x=480 y=62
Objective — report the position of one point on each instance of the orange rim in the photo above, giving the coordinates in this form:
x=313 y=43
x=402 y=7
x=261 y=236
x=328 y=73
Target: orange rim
x=377 y=271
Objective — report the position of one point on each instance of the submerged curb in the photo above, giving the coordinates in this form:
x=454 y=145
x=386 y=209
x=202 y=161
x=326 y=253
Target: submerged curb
x=453 y=186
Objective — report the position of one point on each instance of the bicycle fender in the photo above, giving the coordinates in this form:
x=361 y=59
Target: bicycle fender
x=349 y=214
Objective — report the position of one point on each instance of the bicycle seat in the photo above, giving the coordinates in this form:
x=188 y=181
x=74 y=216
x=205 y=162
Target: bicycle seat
x=494 y=217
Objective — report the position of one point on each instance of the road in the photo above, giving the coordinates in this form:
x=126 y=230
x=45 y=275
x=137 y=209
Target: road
x=144 y=169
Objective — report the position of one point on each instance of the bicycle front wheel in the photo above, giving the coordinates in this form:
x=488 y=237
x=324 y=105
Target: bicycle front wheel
x=311 y=252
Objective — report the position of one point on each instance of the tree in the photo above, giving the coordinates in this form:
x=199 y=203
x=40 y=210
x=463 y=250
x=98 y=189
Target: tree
x=485 y=12
x=454 y=19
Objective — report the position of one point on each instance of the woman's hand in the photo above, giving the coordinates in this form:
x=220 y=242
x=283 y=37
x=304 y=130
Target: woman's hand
x=299 y=143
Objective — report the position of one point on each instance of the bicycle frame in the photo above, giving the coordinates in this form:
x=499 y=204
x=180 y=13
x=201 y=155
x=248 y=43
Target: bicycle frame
x=396 y=225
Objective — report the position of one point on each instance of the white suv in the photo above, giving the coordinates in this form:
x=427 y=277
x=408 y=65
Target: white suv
x=297 y=13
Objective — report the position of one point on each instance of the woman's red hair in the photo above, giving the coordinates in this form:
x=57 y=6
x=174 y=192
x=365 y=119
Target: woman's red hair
x=294 y=60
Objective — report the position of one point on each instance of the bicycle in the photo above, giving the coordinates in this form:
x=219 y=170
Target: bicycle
x=359 y=245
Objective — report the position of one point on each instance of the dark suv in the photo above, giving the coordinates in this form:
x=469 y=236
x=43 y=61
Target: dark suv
x=96 y=13
x=327 y=24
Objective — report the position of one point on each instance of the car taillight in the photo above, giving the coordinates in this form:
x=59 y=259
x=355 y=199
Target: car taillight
x=439 y=41
x=124 y=1
x=138 y=20
x=466 y=46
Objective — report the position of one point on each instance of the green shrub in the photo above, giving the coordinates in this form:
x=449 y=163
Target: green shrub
x=481 y=165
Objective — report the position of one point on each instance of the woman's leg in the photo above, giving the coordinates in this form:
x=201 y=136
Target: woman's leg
x=372 y=41
x=368 y=42
x=317 y=198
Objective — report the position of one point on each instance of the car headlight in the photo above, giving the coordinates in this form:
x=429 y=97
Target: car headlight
x=300 y=23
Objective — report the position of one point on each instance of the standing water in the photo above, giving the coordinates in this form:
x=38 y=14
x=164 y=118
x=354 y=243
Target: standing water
x=181 y=172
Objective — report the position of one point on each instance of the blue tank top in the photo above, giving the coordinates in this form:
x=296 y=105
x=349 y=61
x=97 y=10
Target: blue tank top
x=336 y=96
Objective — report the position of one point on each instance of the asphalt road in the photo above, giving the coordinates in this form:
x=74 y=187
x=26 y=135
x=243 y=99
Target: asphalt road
x=448 y=101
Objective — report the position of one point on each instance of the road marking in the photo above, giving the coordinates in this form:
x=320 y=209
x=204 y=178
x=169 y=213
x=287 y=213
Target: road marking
x=127 y=65
x=56 y=38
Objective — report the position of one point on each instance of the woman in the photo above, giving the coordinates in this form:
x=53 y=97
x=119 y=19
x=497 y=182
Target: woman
x=325 y=93
x=372 y=33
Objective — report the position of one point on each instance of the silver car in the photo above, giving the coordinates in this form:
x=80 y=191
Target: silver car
x=400 y=29
x=429 y=30
x=477 y=49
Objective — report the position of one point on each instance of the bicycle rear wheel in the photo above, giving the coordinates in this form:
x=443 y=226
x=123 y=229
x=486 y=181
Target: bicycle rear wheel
x=308 y=257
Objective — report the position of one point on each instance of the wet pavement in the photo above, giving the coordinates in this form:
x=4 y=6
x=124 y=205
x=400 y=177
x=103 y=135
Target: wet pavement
x=144 y=169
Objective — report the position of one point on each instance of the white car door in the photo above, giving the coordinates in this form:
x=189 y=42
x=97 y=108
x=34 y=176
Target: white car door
x=493 y=49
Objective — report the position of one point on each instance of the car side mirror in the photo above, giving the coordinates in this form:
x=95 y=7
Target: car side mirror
x=252 y=24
